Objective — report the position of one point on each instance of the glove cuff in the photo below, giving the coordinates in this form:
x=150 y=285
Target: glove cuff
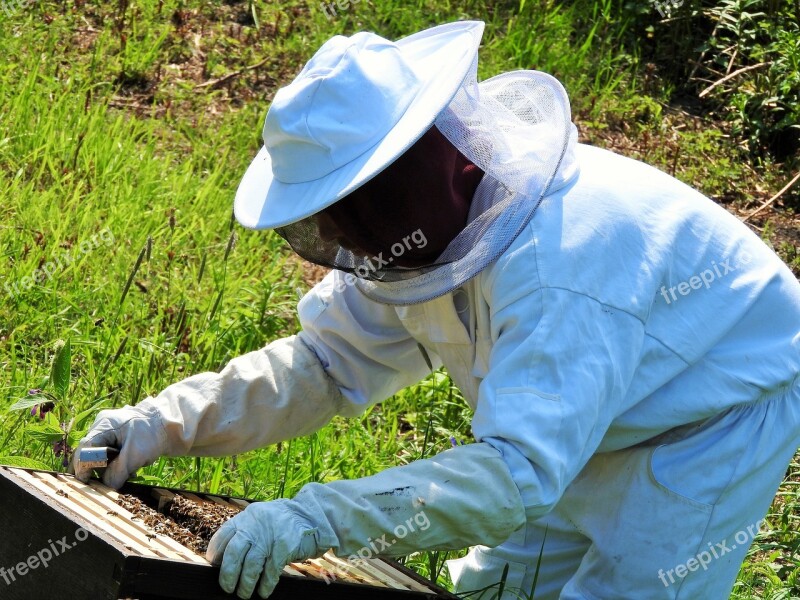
x=314 y=522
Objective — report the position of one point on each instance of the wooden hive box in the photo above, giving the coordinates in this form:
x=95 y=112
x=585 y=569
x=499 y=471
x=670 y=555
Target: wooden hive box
x=62 y=538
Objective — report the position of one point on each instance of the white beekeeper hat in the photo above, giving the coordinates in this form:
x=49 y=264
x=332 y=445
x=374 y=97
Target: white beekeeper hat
x=358 y=104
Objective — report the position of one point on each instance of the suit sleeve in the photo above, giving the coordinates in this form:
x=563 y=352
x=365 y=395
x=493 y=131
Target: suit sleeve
x=351 y=353
x=361 y=344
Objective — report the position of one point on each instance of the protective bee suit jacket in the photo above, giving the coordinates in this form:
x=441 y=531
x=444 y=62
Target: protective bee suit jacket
x=591 y=308
x=629 y=306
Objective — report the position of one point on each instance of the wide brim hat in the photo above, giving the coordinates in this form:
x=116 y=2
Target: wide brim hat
x=356 y=106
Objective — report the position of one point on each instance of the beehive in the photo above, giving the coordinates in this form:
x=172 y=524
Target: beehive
x=98 y=550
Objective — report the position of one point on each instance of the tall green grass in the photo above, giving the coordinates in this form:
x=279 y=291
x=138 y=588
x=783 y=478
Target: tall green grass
x=103 y=129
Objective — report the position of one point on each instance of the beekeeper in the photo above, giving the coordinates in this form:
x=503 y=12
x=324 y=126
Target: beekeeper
x=630 y=349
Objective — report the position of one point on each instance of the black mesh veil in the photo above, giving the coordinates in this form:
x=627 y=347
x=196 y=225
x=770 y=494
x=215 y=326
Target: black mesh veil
x=517 y=128
x=305 y=239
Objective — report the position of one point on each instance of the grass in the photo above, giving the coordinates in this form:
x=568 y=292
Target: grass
x=124 y=130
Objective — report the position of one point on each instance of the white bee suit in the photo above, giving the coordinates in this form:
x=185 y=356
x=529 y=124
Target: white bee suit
x=630 y=351
x=642 y=418
x=634 y=358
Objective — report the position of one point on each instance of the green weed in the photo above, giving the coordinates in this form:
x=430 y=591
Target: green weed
x=124 y=130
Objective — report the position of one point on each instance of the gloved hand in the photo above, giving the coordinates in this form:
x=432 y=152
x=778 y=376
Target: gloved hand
x=136 y=431
x=259 y=398
x=461 y=497
x=257 y=543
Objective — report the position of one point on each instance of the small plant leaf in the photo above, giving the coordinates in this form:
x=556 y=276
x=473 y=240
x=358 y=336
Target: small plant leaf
x=60 y=372
x=52 y=421
x=74 y=437
x=145 y=251
x=216 y=478
x=425 y=356
x=23 y=463
x=503 y=579
x=45 y=433
x=83 y=416
x=29 y=402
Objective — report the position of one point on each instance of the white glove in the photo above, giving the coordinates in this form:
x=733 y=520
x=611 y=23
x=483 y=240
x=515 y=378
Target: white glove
x=461 y=497
x=260 y=398
x=136 y=431
x=259 y=542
